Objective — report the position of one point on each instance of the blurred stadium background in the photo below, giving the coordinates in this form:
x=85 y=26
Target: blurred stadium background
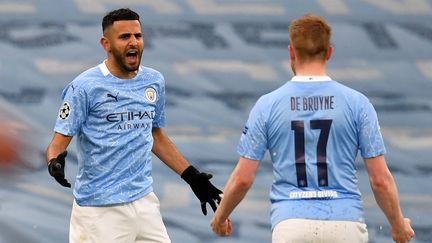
x=218 y=57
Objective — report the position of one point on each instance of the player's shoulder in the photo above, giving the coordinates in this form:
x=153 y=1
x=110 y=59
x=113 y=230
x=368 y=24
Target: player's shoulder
x=354 y=99
x=349 y=92
x=86 y=78
x=146 y=69
x=270 y=99
x=275 y=94
x=150 y=72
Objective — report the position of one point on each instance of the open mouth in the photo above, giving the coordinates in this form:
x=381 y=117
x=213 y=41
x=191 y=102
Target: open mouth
x=132 y=56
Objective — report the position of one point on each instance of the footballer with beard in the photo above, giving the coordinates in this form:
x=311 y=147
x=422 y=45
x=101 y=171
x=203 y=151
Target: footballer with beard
x=116 y=111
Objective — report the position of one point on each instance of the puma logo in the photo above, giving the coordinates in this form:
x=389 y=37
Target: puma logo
x=112 y=96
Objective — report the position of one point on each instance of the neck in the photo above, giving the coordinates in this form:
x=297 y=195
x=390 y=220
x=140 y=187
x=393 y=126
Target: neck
x=311 y=69
x=118 y=72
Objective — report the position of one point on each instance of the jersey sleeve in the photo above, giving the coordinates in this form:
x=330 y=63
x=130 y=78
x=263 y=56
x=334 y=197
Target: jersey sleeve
x=371 y=143
x=159 y=120
x=73 y=111
x=253 y=141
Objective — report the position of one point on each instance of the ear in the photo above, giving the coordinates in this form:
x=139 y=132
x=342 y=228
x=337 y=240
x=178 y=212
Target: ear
x=329 y=53
x=105 y=43
x=291 y=52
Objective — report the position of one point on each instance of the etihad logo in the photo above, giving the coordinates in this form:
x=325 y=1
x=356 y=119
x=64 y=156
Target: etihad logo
x=130 y=116
x=129 y=126
x=132 y=119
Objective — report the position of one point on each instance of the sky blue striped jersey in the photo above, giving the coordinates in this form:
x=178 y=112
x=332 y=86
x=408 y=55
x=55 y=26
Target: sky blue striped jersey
x=313 y=128
x=112 y=120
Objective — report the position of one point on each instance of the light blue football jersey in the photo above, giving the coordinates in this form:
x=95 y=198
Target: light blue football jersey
x=313 y=128
x=112 y=120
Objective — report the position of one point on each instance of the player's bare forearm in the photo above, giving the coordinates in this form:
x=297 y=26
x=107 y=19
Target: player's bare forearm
x=167 y=152
x=234 y=192
x=236 y=188
x=58 y=144
x=387 y=197
x=385 y=190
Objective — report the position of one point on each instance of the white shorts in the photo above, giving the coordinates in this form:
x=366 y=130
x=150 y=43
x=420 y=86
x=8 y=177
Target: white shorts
x=138 y=221
x=322 y=231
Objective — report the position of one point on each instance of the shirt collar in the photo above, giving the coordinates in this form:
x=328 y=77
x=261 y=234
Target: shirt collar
x=310 y=78
x=104 y=69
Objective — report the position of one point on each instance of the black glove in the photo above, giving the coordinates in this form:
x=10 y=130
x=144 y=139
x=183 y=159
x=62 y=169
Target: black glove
x=202 y=187
x=56 y=169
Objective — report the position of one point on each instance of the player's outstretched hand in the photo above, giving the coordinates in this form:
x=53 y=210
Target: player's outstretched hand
x=204 y=190
x=405 y=233
x=56 y=168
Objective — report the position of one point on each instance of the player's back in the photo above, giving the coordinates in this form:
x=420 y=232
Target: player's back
x=314 y=130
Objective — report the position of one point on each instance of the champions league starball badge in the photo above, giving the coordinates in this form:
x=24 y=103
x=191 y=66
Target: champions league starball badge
x=151 y=95
x=65 y=110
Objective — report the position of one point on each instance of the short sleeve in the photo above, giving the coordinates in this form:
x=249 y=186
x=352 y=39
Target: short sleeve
x=159 y=120
x=253 y=141
x=371 y=143
x=73 y=111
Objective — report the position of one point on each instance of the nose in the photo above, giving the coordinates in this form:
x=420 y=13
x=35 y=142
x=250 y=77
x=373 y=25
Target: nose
x=133 y=41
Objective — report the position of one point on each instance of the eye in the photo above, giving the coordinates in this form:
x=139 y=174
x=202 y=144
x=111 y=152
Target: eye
x=125 y=36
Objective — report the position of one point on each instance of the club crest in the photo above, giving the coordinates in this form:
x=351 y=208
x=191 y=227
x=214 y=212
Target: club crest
x=151 y=95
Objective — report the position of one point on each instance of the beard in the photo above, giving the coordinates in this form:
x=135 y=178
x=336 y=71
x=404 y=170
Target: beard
x=121 y=61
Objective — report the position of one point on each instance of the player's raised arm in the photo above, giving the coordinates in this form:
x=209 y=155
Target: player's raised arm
x=199 y=182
